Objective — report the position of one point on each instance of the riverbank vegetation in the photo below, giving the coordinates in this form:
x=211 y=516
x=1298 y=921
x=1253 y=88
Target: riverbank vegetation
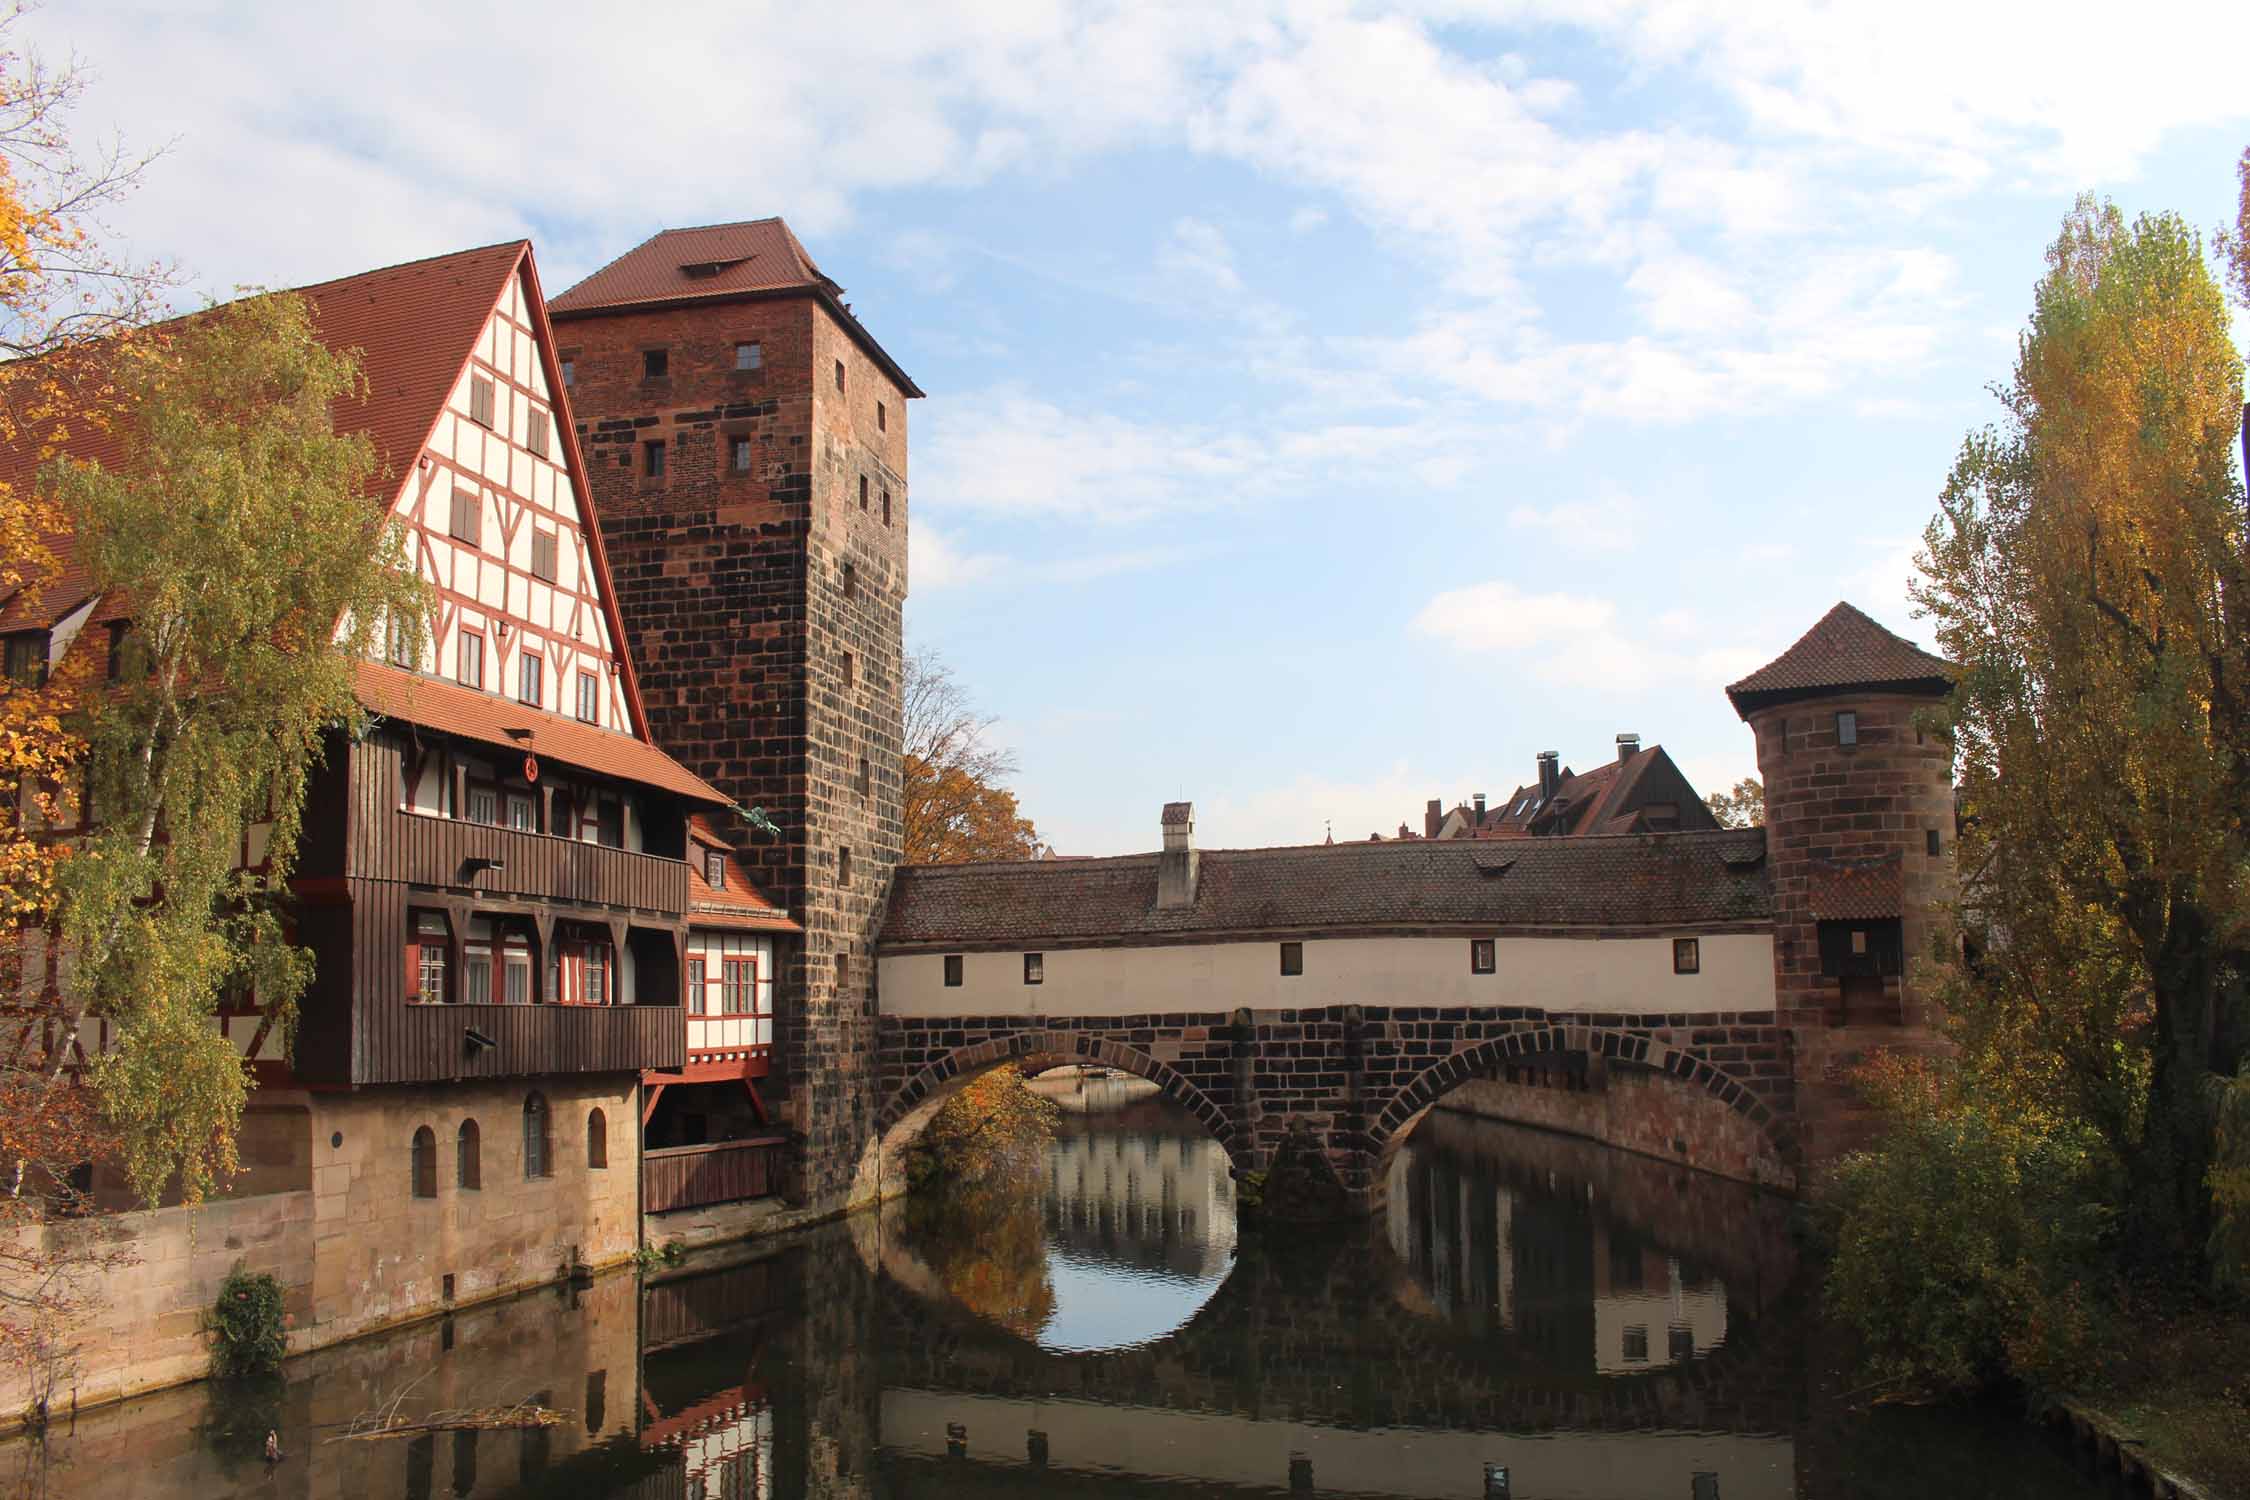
x=976 y=1175
x=2065 y=1200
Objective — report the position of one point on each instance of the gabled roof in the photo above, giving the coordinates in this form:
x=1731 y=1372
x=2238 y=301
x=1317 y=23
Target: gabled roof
x=1664 y=880
x=1844 y=652
x=719 y=263
x=739 y=903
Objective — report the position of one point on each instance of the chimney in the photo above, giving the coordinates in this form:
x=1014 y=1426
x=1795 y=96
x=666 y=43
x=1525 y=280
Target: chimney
x=1175 y=866
x=1550 y=773
x=1480 y=810
x=1432 y=815
x=1628 y=746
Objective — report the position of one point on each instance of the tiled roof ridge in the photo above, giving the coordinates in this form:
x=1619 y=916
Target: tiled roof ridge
x=1803 y=667
x=517 y=244
x=1458 y=848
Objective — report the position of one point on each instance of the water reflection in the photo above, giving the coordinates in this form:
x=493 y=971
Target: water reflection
x=1601 y=1325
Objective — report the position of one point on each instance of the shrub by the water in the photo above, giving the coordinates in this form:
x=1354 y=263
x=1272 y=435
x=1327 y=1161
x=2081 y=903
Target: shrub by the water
x=994 y=1129
x=248 y=1328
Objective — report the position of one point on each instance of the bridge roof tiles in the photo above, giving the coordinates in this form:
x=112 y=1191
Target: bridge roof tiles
x=1643 y=880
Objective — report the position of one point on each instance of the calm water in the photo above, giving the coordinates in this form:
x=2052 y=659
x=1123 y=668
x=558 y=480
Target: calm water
x=1598 y=1324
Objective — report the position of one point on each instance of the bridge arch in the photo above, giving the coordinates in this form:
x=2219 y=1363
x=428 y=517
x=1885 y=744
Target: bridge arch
x=1682 y=1067
x=911 y=1105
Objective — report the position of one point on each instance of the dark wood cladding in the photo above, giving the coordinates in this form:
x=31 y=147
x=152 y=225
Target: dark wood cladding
x=696 y=1176
x=388 y=844
x=419 y=1043
x=687 y=1309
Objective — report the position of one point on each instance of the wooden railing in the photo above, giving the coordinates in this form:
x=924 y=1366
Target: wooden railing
x=675 y=1177
x=417 y=1043
x=425 y=850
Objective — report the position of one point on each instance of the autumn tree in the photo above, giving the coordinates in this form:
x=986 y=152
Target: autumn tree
x=235 y=534
x=1744 y=807
x=956 y=808
x=2086 y=568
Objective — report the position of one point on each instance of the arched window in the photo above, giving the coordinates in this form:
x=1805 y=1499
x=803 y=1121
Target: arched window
x=468 y=1155
x=538 y=1139
x=425 y=1163
x=597 y=1139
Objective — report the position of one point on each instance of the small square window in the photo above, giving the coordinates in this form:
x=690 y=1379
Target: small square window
x=714 y=869
x=953 y=971
x=1292 y=958
x=1682 y=1341
x=470 y=659
x=480 y=400
x=839 y=374
x=1930 y=842
x=656 y=364
x=570 y=372
x=1034 y=964
x=1687 y=955
x=738 y=455
x=543 y=558
x=882 y=418
x=535 y=434
x=652 y=458
x=844 y=865
x=863 y=492
x=1482 y=959
x=1636 y=1344
x=467 y=520
x=749 y=357
x=1859 y=942
x=1847 y=728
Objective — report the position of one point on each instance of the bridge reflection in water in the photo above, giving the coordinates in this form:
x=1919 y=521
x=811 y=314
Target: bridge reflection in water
x=1601 y=1325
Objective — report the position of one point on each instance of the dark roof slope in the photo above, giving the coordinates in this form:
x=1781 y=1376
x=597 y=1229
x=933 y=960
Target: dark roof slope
x=1845 y=650
x=1645 y=880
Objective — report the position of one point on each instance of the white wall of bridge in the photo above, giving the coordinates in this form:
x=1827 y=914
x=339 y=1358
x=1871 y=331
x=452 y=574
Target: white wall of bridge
x=1611 y=975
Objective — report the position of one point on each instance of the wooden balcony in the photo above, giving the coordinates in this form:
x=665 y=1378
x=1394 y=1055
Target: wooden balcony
x=431 y=1043
x=676 y=1177
x=421 y=850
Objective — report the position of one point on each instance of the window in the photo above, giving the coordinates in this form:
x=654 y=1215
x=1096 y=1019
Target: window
x=1292 y=958
x=1847 y=728
x=749 y=357
x=843 y=971
x=535 y=434
x=886 y=507
x=656 y=364
x=519 y=978
x=1035 y=968
x=522 y=816
x=398 y=645
x=468 y=518
x=1930 y=842
x=953 y=971
x=589 y=698
x=425 y=1163
x=851 y=670
x=866 y=776
x=1482 y=959
x=839 y=374
x=468 y=1157
x=1687 y=955
x=863 y=492
x=714 y=869
x=543 y=555
x=484 y=805
x=425 y=959
x=738 y=994
x=882 y=418
x=530 y=677
x=1681 y=1343
x=844 y=865
x=538 y=1141
x=597 y=1139
x=851 y=581
x=471 y=661
x=738 y=454
x=570 y=372
x=1636 y=1343
x=695 y=986
x=476 y=976
x=652 y=458
x=480 y=400
x=597 y=974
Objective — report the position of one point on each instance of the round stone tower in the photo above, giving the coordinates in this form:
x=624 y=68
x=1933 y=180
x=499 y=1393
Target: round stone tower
x=1859 y=850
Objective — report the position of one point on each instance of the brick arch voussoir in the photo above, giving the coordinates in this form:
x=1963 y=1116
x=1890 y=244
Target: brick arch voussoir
x=1483 y=1058
x=1063 y=1047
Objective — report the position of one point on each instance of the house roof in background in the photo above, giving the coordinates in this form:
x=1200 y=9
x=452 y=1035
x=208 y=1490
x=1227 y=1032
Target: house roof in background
x=1845 y=650
x=739 y=904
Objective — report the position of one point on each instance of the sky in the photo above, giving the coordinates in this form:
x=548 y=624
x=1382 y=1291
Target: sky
x=1331 y=405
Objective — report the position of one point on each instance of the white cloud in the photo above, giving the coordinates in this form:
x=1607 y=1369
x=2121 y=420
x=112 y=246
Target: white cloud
x=1578 y=640
x=1307 y=219
x=1607 y=524
x=1199 y=253
x=939 y=564
x=1304 y=809
x=1497 y=616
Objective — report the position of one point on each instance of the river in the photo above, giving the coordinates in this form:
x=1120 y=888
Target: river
x=1533 y=1316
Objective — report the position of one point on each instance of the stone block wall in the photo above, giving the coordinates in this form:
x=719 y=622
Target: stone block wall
x=1649 y=1113
x=765 y=613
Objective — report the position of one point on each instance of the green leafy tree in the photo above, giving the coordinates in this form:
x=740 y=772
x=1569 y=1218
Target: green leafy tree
x=238 y=533
x=2086 y=568
x=1744 y=807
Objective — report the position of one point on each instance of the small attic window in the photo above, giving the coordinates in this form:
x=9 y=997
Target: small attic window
x=714 y=869
x=704 y=270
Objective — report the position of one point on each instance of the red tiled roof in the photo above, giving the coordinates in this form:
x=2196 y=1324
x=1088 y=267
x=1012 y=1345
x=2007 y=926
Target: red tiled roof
x=1845 y=650
x=758 y=255
x=740 y=904
x=1645 y=880
x=449 y=708
x=1856 y=890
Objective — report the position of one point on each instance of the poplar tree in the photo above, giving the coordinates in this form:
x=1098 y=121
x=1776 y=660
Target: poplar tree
x=2086 y=568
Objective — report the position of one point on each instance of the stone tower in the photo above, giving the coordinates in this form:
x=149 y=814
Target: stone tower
x=745 y=439
x=1859 y=846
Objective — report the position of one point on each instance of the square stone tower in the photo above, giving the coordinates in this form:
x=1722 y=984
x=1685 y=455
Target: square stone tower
x=745 y=443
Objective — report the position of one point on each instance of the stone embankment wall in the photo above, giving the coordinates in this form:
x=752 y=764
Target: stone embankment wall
x=1636 y=1110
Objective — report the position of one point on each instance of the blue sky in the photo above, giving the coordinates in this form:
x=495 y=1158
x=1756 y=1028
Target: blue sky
x=1332 y=405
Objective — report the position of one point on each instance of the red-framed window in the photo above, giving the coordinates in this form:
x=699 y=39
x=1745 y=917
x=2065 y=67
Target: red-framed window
x=695 y=982
x=739 y=987
x=428 y=952
x=584 y=972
